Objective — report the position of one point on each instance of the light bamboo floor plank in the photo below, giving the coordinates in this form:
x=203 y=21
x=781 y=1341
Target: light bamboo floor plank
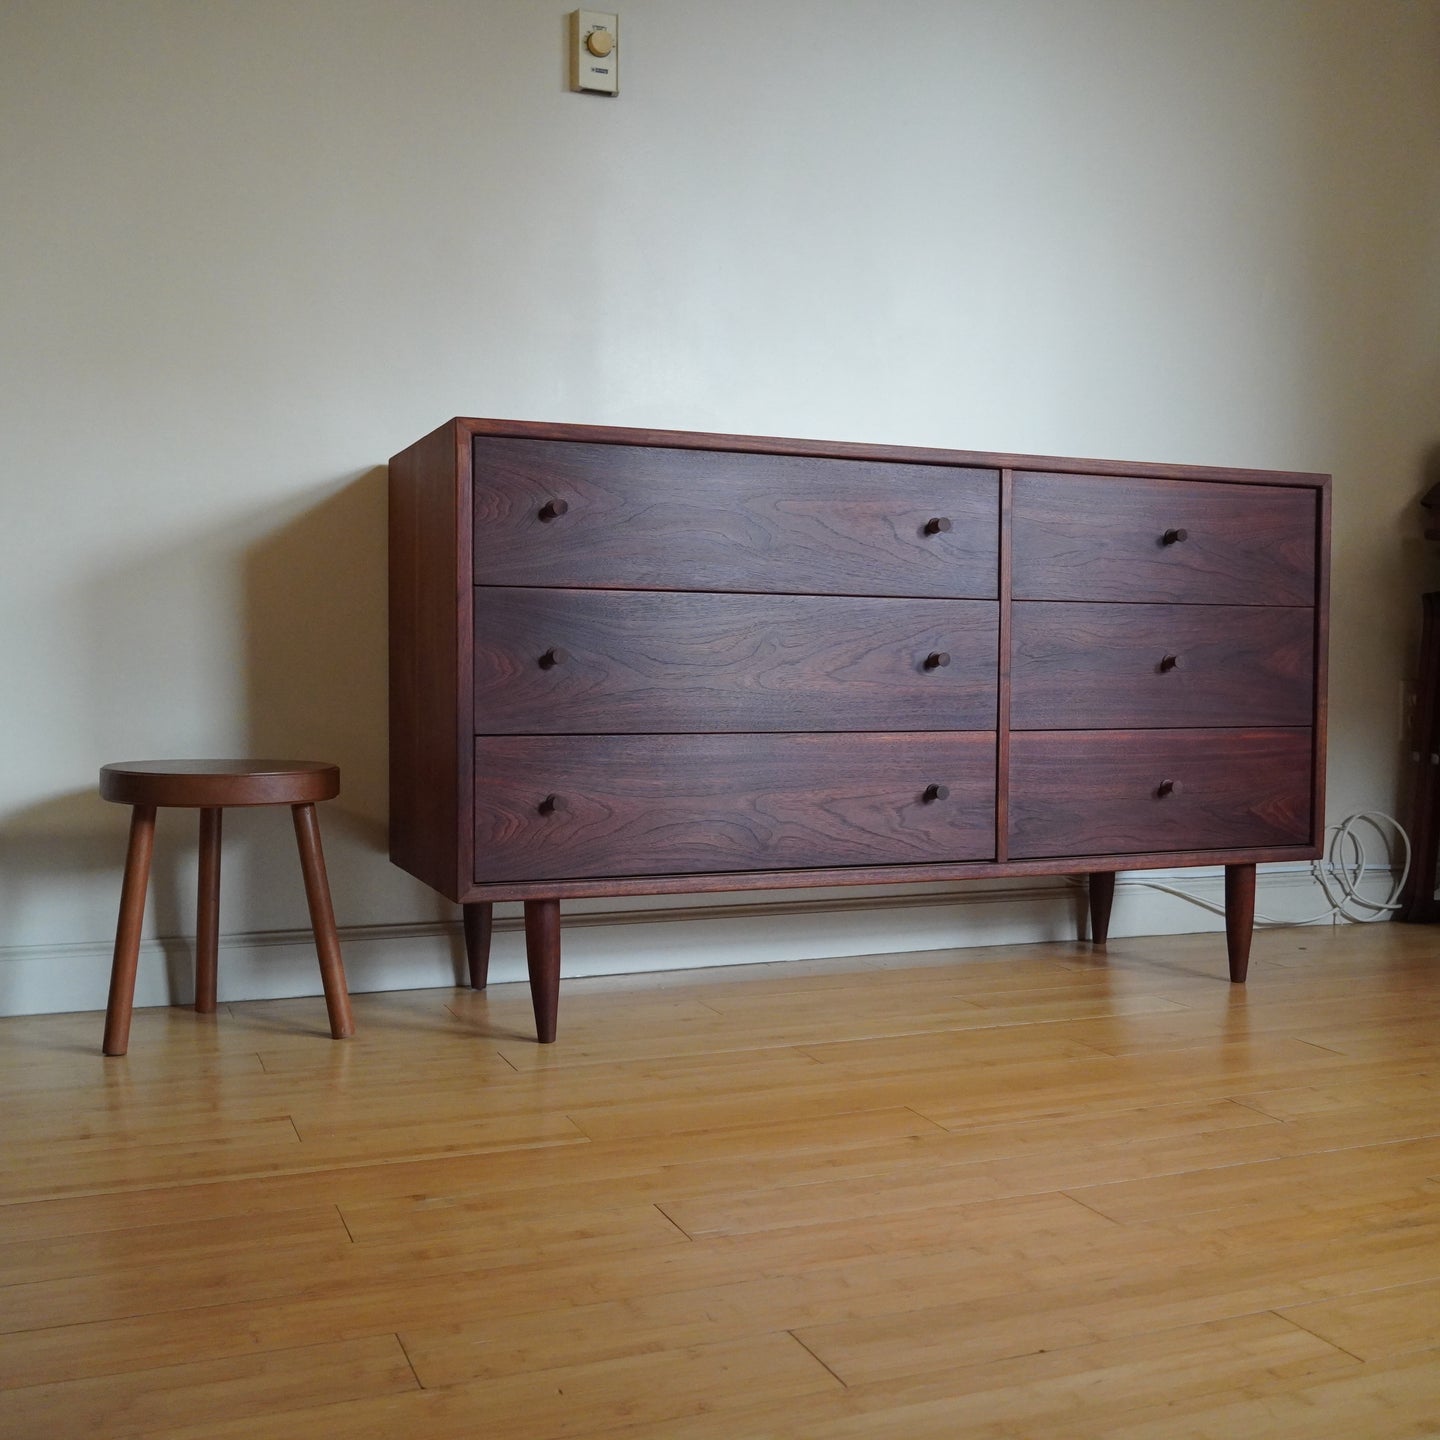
x=1033 y=1191
x=571 y=1401
x=1378 y=1401
x=554 y=1285
x=531 y=1177
x=1043 y=1393
x=25 y=1262
x=1379 y=1323
x=255 y=1387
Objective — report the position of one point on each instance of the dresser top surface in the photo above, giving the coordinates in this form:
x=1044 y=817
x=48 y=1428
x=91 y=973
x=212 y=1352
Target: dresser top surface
x=464 y=429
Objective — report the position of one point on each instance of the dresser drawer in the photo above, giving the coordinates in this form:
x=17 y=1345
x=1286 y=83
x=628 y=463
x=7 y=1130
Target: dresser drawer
x=597 y=805
x=553 y=662
x=631 y=517
x=1078 y=537
x=1132 y=791
x=1097 y=667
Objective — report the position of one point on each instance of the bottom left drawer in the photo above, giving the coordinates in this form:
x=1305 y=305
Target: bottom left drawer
x=575 y=806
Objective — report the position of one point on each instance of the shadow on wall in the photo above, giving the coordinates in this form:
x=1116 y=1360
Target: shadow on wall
x=314 y=606
x=79 y=839
x=264 y=634
x=315 y=661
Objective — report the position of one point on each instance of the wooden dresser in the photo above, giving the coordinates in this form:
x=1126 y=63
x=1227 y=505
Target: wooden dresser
x=627 y=662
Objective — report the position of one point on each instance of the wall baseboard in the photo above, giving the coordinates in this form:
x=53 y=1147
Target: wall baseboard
x=636 y=938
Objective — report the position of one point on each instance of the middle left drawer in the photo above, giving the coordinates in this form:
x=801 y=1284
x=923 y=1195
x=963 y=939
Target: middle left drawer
x=554 y=662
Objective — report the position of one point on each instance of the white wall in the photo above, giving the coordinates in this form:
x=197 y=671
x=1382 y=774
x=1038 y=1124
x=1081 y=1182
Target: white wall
x=253 y=248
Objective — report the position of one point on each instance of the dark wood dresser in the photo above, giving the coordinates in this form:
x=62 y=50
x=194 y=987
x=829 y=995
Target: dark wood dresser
x=627 y=662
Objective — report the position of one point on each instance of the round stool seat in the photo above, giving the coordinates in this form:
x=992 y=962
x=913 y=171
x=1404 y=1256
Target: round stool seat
x=207 y=784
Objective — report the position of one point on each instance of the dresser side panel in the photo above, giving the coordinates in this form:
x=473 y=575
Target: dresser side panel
x=429 y=767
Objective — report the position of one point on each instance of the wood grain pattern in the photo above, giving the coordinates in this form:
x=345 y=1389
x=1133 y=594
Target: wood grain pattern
x=1006 y=1192
x=643 y=583
x=1093 y=538
x=658 y=661
x=1077 y=792
x=1119 y=667
x=669 y=804
x=669 y=519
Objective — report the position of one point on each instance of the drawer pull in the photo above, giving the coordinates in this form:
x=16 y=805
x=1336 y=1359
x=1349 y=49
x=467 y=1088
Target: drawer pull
x=938 y=526
x=937 y=659
x=553 y=509
x=1170 y=662
x=936 y=792
x=553 y=656
x=1174 y=537
x=550 y=805
x=1168 y=787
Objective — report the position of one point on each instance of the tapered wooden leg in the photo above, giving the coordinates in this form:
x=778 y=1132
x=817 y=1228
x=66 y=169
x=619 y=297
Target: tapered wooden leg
x=542 y=955
x=1102 y=896
x=127 y=930
x=479 y=921
x=322 y=921
x=1239 y=918
x=207 y=910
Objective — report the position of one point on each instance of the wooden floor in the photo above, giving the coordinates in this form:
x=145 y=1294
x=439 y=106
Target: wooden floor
x=1024 y=1192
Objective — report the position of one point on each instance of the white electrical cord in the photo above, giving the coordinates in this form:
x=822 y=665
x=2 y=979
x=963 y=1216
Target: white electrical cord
x=1332 y=874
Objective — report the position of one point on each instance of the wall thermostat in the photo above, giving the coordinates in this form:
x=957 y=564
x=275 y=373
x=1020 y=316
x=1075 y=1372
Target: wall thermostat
x=594 y=52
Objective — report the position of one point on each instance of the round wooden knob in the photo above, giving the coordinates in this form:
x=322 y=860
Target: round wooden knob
x=1168 y=787
x=554 y=656
x=936 y=792
x=1170 y=662
x=938 y=526
x=1174 y=537
x=550 y=804
x=553 y=509
x=937 y=659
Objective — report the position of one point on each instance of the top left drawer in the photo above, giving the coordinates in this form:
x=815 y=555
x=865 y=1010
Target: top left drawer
x=557 y=513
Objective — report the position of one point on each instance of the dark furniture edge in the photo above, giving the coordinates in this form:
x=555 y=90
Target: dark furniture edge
x=901 y=454
x=714 y=881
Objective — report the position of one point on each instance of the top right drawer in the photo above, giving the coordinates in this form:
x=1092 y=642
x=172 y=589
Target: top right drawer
x=1090 y=537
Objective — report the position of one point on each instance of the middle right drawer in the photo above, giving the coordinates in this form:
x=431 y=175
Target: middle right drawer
x=1118 y=666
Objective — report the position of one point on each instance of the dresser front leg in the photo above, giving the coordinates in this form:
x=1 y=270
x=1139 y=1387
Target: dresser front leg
x=479 y=921
x=1102 y=895
x=542 y=955
x=1239 y=918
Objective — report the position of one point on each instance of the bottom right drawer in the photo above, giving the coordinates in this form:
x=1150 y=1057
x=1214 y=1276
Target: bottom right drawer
x=1098 y=792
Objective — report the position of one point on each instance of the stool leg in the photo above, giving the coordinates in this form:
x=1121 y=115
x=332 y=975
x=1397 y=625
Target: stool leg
x=322 y=921
x=207 y=909
x=127 y=930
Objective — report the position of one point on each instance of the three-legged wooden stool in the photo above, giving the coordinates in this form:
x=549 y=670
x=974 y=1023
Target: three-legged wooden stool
x=209 y=786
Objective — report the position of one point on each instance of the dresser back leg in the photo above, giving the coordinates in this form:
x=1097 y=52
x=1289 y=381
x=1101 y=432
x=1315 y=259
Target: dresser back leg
x=479 y=921
x=1102 y=896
